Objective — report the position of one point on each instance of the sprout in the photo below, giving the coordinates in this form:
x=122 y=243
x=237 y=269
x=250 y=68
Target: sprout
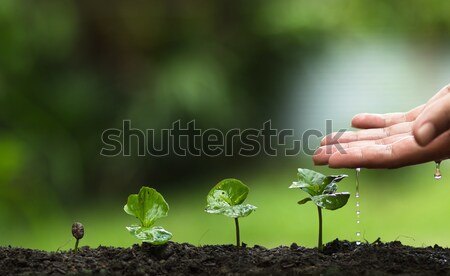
x=77 y=233
x=322 y=190
x=227 y=198
x=147 y=207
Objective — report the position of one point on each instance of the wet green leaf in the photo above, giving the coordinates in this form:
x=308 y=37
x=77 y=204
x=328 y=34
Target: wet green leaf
x=330 y=188
x=303 y=201
x=309 y=181
x=331 y=201
x=315 y=183
x=147 y=206
x=322 y=189
x=236 y=211
x=329 y=185
x=227 y=197
x=230 y=191
x=153 y=235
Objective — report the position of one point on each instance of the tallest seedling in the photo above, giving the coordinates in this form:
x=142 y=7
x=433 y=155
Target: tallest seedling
x=322 y=191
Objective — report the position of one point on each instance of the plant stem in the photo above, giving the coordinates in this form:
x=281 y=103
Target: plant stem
x=238 y=239
x=319 y=244
x=76 y=245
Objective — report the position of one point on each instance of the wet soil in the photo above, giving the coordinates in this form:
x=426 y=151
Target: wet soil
x=338 y=258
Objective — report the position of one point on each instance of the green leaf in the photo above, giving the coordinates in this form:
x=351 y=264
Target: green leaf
x=315 y=183
x=309 y=181
x=147 y=206
x=303 y=201
x=227 y=197
x=331 y=201
x=236 y=211
x=330 y=188
x=230 y=191
x=310 y=177
x=334 y=178
x=154 y=235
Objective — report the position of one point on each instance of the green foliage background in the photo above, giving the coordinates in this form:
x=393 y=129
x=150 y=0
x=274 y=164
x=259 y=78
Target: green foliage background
x=71 y=69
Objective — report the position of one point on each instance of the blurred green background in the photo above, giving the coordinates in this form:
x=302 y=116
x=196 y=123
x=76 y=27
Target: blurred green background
x=71 y=69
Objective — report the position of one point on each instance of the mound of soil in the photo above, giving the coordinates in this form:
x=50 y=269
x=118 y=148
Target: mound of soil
x=338 y=258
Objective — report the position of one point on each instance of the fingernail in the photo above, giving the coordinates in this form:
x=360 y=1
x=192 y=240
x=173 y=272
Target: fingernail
x=425 y=134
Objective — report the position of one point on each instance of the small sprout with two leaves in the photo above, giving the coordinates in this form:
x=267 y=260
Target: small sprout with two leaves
x=322 y=192
x=227 y=198
x=77 y=233
x=147 y=207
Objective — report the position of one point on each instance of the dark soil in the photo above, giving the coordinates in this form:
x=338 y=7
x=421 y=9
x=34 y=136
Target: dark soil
x=338 y=258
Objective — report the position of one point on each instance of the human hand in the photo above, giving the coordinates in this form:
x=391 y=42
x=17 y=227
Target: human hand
x=392 y=140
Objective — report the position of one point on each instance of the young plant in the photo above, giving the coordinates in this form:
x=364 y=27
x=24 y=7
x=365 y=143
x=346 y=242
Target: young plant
x=227 y=198
x=322 y=192
x=147 y=207
x=77 y=233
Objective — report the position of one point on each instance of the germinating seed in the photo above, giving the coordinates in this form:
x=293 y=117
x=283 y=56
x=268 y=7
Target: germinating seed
x=78 y=230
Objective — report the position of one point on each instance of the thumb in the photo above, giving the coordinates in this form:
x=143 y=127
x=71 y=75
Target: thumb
x=433 y=121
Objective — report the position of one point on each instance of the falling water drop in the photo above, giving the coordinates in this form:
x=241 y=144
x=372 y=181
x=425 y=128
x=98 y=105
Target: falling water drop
x=437 y=172
x=358 y=212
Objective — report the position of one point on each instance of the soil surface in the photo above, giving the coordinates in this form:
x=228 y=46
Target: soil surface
x=338 y=258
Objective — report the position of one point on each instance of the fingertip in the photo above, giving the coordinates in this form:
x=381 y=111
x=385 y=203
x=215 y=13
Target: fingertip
x=318 y=163
x=331 y=139
x=357 y=119
x=424 y=133
x=319 y=157
x=323 y=142
x=328 y=140
x=349 y=158
x=368 y=120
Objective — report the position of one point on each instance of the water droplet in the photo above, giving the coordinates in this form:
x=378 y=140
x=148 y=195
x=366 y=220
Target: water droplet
x=358 y=212
x=358 y=243
x=358 y=170
x=358 y=234
x=437 y=172
x=357 y=204
x=357 y=221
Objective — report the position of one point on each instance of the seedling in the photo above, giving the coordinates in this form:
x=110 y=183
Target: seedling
x=227 y=198
x=147 y=207
x=77 y=233
x=322 y=191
